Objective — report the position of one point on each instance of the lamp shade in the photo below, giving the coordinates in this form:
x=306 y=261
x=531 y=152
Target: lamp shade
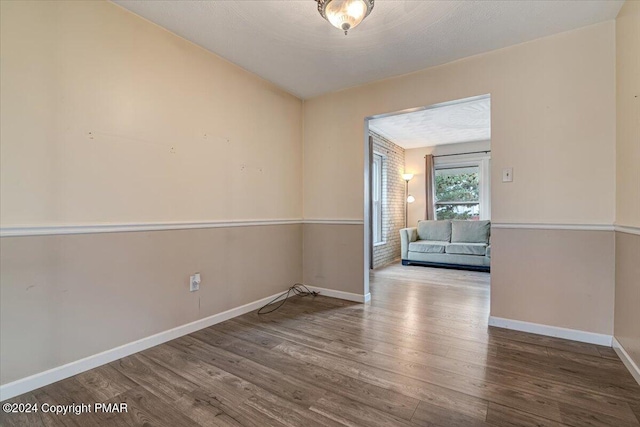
x=407 y=176
x=345 y=14
x=410 y=199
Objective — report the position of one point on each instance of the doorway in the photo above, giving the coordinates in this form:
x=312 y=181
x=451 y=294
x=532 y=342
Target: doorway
x=402 y=190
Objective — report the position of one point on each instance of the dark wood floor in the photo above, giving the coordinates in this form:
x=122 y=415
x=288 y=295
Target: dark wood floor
x=420 y=354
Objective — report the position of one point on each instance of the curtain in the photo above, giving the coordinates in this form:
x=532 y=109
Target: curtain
x=430 y=182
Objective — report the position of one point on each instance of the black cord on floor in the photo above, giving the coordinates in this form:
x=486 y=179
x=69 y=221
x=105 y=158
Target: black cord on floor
x=297 y=289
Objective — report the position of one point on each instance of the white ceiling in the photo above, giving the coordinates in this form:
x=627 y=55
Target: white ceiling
x=451 y=123
x=288 y=43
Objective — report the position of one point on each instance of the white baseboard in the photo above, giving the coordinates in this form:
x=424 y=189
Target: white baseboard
x=341 y=295
x=551 y=331
x=626 y=359
x=24 y=385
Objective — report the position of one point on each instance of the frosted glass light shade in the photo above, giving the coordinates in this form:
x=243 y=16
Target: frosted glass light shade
x=407 y=176
x=345 y=14
x=411 y=199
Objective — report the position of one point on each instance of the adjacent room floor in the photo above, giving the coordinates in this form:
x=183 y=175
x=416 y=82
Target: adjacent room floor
x=419 y=354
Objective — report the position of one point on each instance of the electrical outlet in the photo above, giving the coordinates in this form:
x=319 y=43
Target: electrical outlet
x=194 y=282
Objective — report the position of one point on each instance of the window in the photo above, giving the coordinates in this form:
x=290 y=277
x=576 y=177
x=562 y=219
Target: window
x=376 y=195
x=457 y=193
x=462 y=190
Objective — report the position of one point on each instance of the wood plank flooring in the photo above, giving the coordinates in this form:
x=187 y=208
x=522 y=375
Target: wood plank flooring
x=420 y=354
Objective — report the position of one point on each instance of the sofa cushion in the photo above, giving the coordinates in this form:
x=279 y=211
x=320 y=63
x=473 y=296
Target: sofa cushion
x=434 y=230
x=470 y=231
x=489 y=251
x=466 y=248
x=428 y=246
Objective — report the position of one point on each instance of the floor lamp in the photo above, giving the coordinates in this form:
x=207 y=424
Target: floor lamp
x=408 y=198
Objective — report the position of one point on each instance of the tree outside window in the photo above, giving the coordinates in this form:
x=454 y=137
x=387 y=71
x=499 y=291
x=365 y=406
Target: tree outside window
x=457 y=193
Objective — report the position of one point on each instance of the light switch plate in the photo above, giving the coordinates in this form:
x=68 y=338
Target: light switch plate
x=507 y=175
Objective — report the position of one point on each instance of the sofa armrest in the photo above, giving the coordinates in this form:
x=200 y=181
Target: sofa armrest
x=407 y=235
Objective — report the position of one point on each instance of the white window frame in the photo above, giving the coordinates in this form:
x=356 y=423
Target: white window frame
x=376 y=197
x=484 y=179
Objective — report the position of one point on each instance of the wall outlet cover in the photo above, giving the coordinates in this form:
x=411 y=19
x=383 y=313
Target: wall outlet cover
x=194 y=282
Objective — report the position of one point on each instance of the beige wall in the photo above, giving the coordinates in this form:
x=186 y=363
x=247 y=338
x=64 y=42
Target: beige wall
x=628 y=115
x=414 y=160
x=334 y=257
x=554 y=277
x=109 y=118
x=71 y=296
x=627 y=315
x=553 y=121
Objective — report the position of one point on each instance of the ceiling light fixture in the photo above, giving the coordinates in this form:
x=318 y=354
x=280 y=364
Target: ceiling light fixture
x=345 y=14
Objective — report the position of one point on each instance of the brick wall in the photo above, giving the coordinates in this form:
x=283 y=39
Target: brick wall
x=393 y=188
